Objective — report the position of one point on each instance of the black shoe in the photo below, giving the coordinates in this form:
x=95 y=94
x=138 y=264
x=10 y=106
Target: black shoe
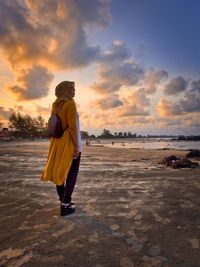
x=67 y=208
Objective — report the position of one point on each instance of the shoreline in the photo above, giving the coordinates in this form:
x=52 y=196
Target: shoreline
x=136 y=148
x=157 y=145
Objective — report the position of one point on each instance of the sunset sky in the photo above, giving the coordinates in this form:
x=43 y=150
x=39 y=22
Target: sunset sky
x=136 y=63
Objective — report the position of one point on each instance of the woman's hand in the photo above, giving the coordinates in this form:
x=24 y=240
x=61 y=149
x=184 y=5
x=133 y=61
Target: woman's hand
x=76 y=153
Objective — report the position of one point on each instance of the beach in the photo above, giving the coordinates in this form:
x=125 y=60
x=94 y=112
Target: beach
x=132 y=211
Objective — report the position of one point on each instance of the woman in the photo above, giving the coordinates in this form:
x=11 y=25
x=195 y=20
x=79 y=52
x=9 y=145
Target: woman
x=63 y=160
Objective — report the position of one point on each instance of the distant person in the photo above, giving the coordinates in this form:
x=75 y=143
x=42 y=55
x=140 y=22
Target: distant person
x=64 y=155
x=87 y=143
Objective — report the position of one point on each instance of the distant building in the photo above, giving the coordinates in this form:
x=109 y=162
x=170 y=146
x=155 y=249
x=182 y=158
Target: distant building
x=5 y=135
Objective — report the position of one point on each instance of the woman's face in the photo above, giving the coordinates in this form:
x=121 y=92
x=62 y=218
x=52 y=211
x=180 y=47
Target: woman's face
x=72 y=90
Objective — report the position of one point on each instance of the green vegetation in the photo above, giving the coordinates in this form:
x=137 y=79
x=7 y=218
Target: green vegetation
x=106 y=134
x=25 y=126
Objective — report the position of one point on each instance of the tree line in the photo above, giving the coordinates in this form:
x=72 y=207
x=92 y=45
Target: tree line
x=106 y=134
x=24 y=126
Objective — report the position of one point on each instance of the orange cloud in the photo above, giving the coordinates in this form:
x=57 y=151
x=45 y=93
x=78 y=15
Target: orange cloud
x=111 y=101
x=32 y=83
x=48 y=34
x=5 y=113
x=176 y=86
x=117 y=69
x=153 y=79
x=167 y=108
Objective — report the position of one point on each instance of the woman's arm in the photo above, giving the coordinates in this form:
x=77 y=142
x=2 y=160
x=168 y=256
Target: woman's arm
x=71 y=117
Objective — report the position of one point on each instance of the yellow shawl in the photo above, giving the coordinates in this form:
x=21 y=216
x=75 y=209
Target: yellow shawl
x=61 y=150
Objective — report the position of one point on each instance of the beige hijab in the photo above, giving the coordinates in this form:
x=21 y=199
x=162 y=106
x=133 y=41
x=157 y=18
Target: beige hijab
x=63 y=92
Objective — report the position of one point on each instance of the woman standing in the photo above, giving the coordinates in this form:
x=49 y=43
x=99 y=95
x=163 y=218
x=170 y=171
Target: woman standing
x=63 y=160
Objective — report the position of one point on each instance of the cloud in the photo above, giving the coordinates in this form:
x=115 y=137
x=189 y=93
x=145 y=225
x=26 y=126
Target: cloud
x=43 y=110
x=192 y=120
x=50 y=34
x=116 y=53
x=5 y=113
x=184 y=124
x=112 y=101
x=105 y=87
x=108 y=113
x=176 y=86
x=34 y=83
x=153 y=79
x=19 y=108
x=195 y=86
x=169 y=124
x=134 y=110
x=190 y=102
x=112 y=119
x=167 y=108
x=116 y=69
x=136 y=104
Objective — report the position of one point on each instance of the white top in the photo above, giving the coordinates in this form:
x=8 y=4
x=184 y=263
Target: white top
x=79 y=132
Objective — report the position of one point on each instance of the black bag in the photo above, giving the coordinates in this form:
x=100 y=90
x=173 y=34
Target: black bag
x=55 y=126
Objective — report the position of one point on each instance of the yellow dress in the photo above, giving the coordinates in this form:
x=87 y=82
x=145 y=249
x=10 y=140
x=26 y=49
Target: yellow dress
x=61 y=150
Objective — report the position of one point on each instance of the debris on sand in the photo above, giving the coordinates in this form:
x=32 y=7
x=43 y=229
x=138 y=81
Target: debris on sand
x=177 y=163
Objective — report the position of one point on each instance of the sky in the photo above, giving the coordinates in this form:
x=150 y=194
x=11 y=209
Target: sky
x=135 y=63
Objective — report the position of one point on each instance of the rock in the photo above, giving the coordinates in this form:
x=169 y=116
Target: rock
x=184 y=163
x=176 y=163
x=169 y=160
x=194 y=153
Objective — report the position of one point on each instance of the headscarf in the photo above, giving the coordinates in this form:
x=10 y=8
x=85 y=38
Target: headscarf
x=63 y=93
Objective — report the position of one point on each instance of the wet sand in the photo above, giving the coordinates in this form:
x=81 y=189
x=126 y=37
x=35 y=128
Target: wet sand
x=131 y=211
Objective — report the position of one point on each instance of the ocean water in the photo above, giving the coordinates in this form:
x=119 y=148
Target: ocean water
x=138 y=143
x=149 y=143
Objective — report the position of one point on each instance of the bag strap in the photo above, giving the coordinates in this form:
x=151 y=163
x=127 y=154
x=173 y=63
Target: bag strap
x=56 y=113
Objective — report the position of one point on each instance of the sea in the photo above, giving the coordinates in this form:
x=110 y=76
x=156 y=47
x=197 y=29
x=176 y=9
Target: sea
x=137 y=143
x=147 y=143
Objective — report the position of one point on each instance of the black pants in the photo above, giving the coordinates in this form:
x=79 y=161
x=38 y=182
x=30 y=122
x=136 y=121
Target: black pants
x=65 y=191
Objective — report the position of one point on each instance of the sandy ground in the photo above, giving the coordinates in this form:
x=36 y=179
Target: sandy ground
x=131 y=211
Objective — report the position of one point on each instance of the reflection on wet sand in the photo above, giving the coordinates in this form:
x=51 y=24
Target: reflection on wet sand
x=131 y=211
